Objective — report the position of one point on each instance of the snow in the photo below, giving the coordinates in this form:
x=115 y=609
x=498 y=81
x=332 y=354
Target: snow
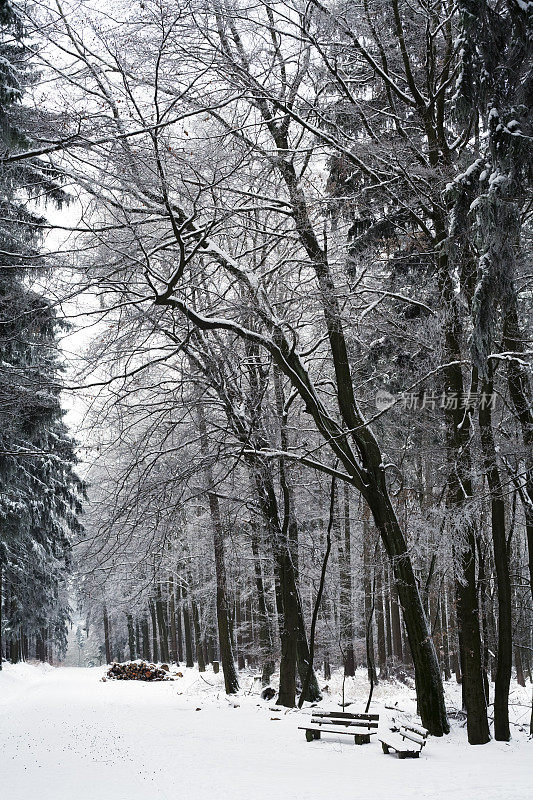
x=65 y=734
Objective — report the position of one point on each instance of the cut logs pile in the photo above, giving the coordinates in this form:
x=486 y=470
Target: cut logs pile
x=137 y=671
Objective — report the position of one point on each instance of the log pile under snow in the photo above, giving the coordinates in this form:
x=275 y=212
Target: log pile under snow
x=137 y=671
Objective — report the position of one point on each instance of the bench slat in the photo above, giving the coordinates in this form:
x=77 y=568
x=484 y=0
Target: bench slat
x=396 y=743
x=345 y=715
x=341 y=731
x=351 y=723
x=417 y=729
x=413 y=737
x=392 y=739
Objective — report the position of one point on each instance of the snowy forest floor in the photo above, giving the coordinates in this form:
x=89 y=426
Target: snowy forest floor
x=65 y=734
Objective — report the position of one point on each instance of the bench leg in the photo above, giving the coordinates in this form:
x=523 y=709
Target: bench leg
x=312 y=735
x=408 y=755
x=362 y=738
x=385 y=747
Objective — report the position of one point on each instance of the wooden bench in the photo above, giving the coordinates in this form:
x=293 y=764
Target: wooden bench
x=360 y=726
x=407 y=741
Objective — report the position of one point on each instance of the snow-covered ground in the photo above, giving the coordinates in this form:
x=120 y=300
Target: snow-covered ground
x=65 y=734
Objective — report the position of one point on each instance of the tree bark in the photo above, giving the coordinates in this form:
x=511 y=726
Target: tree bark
x=345 y=579
x=520 y=679
x=287 y=583
x=396 y=624
x=521 y=394
x=162 y=626
x=155 y=648
x=189 y=658
x=239 y=634
x=387 y=610
x=368 y=606
x=179 y=626
x=138 y=643
x=501 y=563
x=145 y=639
x=107 y=638
x=380 y=623
x=231 y=681
x=172 y=620
x=198 y=636
x=316 y=607
x=445 y=635
x=263 y=616
x=131 y=637
x=289 y=630
x=460 y=490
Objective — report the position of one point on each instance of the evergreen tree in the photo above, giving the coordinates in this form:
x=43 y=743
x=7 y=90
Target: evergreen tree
x=39 y=491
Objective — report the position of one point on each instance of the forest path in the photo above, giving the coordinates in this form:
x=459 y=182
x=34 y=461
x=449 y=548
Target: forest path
x=65 y=734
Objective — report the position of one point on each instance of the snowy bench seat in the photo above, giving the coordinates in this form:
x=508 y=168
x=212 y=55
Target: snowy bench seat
x=407 y=742
x=360 y=726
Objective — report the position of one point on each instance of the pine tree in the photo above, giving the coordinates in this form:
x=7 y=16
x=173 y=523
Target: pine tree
x=39 y=490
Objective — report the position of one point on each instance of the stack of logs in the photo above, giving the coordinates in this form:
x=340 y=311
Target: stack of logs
x=137 y=671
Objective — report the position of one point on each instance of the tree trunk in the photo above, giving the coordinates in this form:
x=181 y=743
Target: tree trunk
x=345 y=579
x=470 y=648
x=145 y=639
x=289 y=631
x=155 y=648
x=520 y=679
x=366 y=471
x=283 y=536
x=239 y=634
x=369 y=608
x=179 y=626
x=286 y=581
x=453 y=636
x=172 y=619
x=107 y=639
x=131 y=637
x=316 y=607
x=162 y=626
x=387 y=609
x=189 y=658
x=198 y=637
x=231 y=680
x=460 y=490
x=284 y=466
x=396 y=624
x=380 y=624
x=263 y=617
x=40 y=644
x=483 y=608
x=521 y=394
x=501 y=562
x=138 y=647
x=445 y=635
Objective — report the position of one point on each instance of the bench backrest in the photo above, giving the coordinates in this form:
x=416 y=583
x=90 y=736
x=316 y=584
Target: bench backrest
x=415 y=733
x=346 y=715
x=345 y=719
